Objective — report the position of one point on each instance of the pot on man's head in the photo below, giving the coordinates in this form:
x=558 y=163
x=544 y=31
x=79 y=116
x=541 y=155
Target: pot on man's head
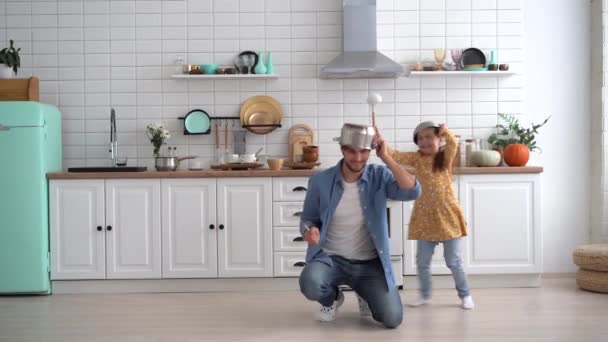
x=357 y=136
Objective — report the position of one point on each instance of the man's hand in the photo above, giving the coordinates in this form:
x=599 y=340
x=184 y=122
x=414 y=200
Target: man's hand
x=312 y=236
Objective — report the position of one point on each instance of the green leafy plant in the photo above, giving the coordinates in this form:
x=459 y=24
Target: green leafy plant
x=514 y=133
x=10 y=57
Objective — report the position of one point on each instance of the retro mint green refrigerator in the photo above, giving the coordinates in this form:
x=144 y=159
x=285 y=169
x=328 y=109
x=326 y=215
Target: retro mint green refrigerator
x=30 y=147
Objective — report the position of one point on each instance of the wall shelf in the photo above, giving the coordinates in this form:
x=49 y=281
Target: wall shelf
x=460 y=73
x=228 y=77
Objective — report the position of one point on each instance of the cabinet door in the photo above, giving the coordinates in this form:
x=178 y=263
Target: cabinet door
x=77 y=229
x=189 y=238
x=245 y=227
x=133 y=237
x=503 y=216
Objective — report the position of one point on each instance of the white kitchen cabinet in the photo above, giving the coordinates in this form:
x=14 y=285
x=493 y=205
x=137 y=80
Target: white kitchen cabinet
x=289 y=247
x=217 y=228
x=503 y=215
x=189 y=228
x=105 y=229
x=244 y=207
x=78 y=230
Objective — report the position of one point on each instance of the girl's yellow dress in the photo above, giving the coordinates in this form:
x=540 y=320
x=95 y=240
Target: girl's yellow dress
x=437 y=215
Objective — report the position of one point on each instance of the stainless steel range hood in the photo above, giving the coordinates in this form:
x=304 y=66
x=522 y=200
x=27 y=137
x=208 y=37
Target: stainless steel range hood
x=361 y=58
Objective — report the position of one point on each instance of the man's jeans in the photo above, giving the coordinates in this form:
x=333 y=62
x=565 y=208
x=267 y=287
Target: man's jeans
x=319 y=282
x=452 y=252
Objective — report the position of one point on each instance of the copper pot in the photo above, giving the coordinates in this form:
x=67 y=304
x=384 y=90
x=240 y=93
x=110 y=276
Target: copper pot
x=311 y=153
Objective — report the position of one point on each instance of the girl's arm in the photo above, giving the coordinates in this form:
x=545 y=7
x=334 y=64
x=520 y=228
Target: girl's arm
x=403 y=158
x=450 y=145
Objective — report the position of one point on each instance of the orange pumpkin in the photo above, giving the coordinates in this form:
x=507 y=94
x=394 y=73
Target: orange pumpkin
x=516 y=154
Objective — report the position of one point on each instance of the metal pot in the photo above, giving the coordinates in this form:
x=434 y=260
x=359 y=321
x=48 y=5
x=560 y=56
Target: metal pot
x=357 y=136
x=169 y=163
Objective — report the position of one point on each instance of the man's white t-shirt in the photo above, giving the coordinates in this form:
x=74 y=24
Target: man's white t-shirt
x=348 y=234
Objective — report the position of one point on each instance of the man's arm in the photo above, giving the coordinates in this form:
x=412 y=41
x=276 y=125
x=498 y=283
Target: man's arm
x=406 y=180
x=310 y=220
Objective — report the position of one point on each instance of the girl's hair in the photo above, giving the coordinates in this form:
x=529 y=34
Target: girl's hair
x=439 y=159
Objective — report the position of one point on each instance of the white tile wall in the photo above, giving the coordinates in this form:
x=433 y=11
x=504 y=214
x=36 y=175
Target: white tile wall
x=92 y=55
x=599 y=130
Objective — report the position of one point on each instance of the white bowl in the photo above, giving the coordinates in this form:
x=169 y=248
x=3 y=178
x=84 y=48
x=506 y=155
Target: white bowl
x=231 y=158
x=247 y=158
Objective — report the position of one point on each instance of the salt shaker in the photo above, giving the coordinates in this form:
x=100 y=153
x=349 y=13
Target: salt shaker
x=470 y=147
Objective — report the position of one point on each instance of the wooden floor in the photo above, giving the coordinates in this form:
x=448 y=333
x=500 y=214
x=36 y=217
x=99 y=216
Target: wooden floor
x=556 y=312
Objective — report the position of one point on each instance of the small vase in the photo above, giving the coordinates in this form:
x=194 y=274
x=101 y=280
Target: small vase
x=492 y=66
x=269 y=65
x=156 y=151
x=260 y=68
x=6 y=71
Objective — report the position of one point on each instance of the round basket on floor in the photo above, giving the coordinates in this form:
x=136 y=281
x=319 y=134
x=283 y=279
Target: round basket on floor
x=595 y=281
x=592 y=257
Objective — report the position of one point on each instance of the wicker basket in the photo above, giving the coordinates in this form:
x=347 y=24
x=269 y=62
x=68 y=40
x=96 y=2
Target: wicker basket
x=592 y=257
x=595 y=281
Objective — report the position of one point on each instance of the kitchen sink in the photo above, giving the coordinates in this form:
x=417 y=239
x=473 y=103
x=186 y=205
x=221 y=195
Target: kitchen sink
x=108 y=169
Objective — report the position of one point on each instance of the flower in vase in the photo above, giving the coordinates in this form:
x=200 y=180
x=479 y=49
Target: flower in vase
x=157 y=135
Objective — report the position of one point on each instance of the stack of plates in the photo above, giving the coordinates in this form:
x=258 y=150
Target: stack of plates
x=261 y=110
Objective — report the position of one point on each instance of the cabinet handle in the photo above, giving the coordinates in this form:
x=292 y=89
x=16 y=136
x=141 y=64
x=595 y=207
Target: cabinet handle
x=298 y=239
x=99 y=228
x=299 y=264
x=109 y=228
x=299 y=188
x=211 y=226
x=221 y=226
x=297 y=214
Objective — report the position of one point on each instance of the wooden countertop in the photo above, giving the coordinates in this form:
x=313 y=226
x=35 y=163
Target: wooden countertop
x=496 y=170
x=262 y=173
x=183 y=174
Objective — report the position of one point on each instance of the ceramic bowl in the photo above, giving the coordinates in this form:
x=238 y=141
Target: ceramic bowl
x=209 y=68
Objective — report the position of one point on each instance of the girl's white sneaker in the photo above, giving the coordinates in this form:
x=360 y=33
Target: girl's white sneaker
x=420 y=301
x=467 y=303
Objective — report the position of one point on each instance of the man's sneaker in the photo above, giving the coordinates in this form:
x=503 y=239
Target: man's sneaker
x=364 y=309
x=420 y=301
x=467 y=303
x=328 y=313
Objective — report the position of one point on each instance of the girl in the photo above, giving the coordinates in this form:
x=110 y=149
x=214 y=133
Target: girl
x=437 y=216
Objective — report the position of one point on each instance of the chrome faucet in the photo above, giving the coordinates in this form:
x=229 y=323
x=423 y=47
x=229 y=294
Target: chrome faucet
x=113 y=139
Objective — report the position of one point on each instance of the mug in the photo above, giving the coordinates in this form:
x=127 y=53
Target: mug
x=231 y=158
x=275 y=164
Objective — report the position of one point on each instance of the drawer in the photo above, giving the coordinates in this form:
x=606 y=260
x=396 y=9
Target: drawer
x=289 y=188
x=289 y=264
x=288 y=239
x=287 y=214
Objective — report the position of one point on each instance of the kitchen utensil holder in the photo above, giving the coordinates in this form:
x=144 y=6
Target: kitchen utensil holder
x=244 y=126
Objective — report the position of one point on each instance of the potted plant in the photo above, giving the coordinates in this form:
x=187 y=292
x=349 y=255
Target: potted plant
x=515 y=141
x=9 y=61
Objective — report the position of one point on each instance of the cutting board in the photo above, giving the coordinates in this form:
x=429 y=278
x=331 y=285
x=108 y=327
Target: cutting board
x=299 y=136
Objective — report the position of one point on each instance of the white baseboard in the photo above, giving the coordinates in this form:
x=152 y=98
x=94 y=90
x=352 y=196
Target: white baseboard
x=265 y=284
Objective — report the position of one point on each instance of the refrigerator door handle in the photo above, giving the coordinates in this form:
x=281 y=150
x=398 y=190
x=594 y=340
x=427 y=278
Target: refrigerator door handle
x=7 y=128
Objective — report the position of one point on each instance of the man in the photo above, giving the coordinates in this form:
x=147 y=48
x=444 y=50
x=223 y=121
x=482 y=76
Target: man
x=344 y=222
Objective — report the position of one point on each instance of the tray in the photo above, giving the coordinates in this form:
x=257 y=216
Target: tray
x=300 y=165
x=237 y=166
